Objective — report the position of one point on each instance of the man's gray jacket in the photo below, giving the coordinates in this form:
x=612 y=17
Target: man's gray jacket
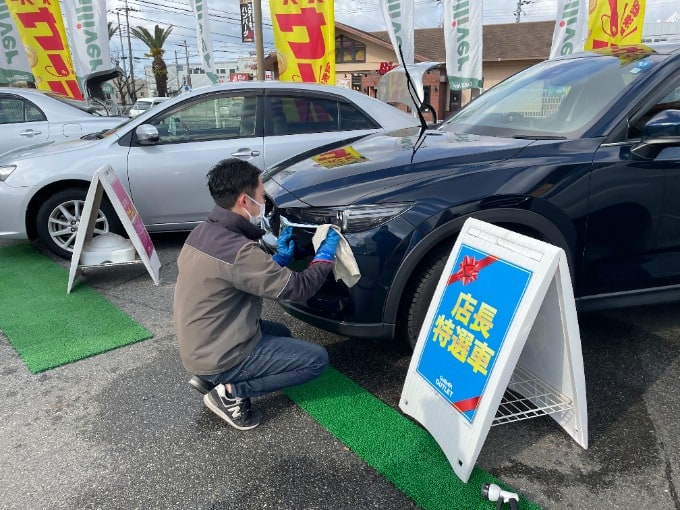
x=223 y=275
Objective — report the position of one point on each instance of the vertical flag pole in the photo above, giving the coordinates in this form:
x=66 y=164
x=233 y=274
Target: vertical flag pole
x=259 y=45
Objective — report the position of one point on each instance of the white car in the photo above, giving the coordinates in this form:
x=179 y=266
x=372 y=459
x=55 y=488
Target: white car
x=30 y=117
x=163 y=155
x=144 y=104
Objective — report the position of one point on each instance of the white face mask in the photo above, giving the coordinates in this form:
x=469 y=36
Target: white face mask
x=256 y=220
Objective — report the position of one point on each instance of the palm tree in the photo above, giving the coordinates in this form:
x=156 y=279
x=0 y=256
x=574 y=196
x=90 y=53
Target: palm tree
x=155 y=43
x=112 y=30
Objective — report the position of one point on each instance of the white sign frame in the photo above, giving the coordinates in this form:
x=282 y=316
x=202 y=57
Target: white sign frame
x=542 y=341
x=106 y=180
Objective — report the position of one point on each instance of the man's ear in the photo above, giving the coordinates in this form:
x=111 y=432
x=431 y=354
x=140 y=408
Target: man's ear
x=242 y=199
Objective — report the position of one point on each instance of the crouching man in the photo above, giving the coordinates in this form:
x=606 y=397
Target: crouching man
x=224 y=274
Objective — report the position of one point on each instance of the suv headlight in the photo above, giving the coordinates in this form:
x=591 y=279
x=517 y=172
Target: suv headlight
x=352 y=218
x=5 y=171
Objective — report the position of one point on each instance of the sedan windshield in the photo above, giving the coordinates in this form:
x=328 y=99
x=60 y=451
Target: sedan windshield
x=556 y=99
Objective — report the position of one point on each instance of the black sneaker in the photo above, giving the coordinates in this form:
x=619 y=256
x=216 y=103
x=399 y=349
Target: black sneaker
x=235 y=411
x=200 y=385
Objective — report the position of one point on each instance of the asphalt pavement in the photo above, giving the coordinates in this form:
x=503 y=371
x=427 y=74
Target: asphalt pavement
x=123 y=430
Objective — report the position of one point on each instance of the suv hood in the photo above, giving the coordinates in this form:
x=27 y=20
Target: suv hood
x=378 y=162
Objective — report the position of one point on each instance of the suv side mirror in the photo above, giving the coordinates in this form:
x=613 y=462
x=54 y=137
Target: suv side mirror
x=662 y=130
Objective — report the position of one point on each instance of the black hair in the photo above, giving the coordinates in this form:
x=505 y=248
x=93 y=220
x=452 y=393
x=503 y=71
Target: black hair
x=231 y=177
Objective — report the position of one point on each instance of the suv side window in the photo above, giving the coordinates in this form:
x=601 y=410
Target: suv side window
x=216 y=118
x=670 y=101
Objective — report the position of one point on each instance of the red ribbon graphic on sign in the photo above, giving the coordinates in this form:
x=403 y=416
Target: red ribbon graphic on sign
x=469 y=269
x=466 y=405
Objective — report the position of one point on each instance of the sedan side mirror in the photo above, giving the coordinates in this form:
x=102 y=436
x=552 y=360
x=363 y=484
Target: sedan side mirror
x=147 y=134
x=662 y=130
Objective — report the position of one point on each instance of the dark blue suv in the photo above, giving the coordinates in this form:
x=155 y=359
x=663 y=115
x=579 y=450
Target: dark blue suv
x=582 y=152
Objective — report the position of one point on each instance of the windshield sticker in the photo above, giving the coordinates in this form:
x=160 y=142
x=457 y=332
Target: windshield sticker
x=640 y=66
x=405 y=143
x=339 y=157
x=463 y=137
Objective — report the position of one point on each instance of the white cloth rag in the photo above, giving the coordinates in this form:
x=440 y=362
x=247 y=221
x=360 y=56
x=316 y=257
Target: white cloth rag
x=345 y=267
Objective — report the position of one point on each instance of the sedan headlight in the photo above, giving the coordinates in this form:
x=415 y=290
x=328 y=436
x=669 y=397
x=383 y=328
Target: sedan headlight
x=5 y=171
x=353 y=218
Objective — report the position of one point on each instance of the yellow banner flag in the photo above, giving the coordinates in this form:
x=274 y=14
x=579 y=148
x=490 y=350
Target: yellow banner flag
x=41 y=28
x=304 y=36
x=614 y=23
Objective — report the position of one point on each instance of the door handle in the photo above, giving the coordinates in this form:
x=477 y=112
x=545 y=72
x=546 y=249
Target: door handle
x=30 y=133
x=244 y=153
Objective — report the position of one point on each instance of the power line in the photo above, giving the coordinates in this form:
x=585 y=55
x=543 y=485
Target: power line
x=190 y=34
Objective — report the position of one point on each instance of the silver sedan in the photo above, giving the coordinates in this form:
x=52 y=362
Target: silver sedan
x=163 y=156
x=30 y=117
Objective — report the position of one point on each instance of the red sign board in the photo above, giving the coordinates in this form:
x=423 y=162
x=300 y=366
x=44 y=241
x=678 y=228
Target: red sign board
x=386 y=66
x=239 y=77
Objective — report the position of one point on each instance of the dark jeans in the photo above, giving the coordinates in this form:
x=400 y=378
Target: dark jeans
x=277 y=361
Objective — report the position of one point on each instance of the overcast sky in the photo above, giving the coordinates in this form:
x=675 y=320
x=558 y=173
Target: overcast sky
x=364 y=14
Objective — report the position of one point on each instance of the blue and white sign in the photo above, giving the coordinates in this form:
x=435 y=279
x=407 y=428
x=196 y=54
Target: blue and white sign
x=501 y=318
x=470 y=325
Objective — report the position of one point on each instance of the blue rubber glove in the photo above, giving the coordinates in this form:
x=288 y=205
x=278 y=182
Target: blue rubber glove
x=326 y=251
x=284 y=247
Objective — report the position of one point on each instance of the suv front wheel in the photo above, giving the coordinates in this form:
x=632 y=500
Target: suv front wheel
x=418 y=294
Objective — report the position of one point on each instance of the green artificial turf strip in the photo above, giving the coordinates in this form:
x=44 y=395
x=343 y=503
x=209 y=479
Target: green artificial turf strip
x=48 y=327
x=397 y=447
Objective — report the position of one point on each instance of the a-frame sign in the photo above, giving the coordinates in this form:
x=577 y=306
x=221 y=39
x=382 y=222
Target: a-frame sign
x=106 y=180
x=500 y=343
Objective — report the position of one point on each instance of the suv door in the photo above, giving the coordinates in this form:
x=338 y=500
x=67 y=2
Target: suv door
x=635 y=244
x=193 y=137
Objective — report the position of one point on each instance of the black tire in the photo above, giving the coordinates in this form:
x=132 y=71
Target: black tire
x=419 y=292
x=59 y=217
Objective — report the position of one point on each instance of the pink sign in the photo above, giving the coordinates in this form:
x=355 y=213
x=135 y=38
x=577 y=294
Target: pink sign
x=131 y=212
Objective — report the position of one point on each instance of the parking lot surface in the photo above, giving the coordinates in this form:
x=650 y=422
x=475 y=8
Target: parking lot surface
x=123 y=429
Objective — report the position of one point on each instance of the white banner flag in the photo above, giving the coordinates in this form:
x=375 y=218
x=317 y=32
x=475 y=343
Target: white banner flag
x=204 y=39
x=14 y=65
x=463 y=43
x=571 y=29
x=399 y=20
x=88 y=36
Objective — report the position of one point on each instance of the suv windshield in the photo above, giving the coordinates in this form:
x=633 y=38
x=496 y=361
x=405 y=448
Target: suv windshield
x=557 y=98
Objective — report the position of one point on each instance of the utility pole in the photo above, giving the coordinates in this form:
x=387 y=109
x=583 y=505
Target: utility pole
x=177 y=70
x=186 y=52
x=133 y=96
x=259 y=45
x=131 y=81
x=120 y=33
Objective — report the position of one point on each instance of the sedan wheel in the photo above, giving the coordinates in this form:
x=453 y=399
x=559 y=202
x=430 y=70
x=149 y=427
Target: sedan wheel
x=59 y=218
